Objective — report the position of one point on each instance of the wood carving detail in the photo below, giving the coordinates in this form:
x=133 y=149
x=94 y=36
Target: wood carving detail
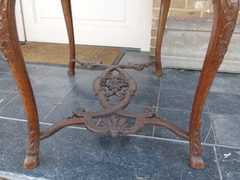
x=115 y=125
x=229 y=22
x=33 y=149
x=9 y=45
x=197 y=141
x=114 y=85
x=4 y=35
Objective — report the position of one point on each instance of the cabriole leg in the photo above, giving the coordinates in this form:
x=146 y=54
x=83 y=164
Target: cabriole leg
x=67 y=11
x=10 y=47
x=164 y=7
x=225 y=16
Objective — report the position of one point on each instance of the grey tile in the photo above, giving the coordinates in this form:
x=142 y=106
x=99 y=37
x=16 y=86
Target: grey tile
x=223 y=103
x=226 y=129
x=227 y=75
x=55 y=82
x=226 y=85
x=7 y=83
x=146 y=97
x=89 y=75
x=78 y=154
x=179 y=99
x=82 y=90
x=182 y=120
x=145 y=78
x=15 y=108
x=65 y=109
x=180 y=79
x=2 y=74
x=3 y=65
x=5 y=97
x=229 y=162
x=37 y=71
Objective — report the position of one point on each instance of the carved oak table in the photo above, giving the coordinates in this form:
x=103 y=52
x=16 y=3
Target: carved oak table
x=115 y=81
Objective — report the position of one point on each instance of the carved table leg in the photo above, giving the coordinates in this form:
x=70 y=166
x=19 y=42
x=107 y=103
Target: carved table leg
x=66 y=6
x=164 y=7
x=12 y=53
x=225 y=16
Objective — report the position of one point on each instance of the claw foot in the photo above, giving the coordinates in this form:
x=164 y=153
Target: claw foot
x=31 y=162
x=71 y=72
x=196 y=162
x=159 y=73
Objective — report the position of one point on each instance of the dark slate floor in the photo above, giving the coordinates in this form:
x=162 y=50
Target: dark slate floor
x=74 y=153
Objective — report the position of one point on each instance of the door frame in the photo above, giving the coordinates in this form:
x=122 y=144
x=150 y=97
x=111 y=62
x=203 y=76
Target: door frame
x=19 y=20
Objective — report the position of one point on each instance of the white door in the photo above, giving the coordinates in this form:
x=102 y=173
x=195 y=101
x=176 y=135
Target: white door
x=20 y=25
x=121 y=23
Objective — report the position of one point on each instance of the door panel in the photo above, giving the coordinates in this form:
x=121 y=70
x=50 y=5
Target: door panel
x=123 y=23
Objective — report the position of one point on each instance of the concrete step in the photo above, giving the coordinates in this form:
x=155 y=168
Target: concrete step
x=185 y=44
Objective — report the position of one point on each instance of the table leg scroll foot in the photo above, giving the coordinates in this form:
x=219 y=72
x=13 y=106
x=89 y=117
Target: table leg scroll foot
x=159 y=69
x=31 y=162
x=196 y=162
x=71 y=71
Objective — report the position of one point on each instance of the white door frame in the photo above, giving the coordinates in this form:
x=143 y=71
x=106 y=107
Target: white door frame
x=19 y=21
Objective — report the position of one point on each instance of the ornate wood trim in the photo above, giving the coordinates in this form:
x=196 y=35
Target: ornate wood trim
x=10 y=47
x=225 y=16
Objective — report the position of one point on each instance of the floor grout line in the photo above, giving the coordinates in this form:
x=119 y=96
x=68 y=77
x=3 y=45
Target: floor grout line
x=158 y=101
x=134 y=135
x=211 y=122
x=10 y=101
x=207 y=135
x=217 y=162
x=215 y=140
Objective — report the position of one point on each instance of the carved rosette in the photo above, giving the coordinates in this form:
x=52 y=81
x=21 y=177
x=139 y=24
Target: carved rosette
x=115 y=125
x=114 y=85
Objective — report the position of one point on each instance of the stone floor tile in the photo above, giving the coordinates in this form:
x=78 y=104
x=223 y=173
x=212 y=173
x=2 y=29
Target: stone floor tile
x=226 y=129
x=78 y=154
